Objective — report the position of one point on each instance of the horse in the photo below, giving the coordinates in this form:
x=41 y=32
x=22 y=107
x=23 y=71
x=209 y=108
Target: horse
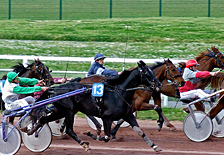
x=167 y=73
x=34 y=70
x=120 y=89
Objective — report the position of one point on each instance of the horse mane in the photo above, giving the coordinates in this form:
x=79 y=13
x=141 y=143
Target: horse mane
x=119 y=78
x=19 y=68
x=216 y=81
x=158 y=64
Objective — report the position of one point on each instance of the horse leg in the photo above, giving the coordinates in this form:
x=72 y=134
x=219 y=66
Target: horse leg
x=107 y=135
x=157 y=101
x=97 y=124
x=200 y=106
x=45 y=119
x=11 y=119
x=132 y=121
x=216 y=110
x=69 y=130
x=115 y=129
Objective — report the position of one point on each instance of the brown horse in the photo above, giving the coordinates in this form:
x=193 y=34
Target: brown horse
x=167 y=73
x=208 y=61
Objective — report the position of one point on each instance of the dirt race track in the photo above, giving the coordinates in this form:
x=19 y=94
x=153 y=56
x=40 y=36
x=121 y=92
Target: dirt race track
x=128 y=142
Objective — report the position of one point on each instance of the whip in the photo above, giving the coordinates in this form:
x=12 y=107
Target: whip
x=125 y=48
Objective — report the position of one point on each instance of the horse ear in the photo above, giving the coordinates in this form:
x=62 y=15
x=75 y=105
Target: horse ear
x=141 y=63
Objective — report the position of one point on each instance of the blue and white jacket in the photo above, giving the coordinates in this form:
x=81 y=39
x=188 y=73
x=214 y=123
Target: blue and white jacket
x=96 y=68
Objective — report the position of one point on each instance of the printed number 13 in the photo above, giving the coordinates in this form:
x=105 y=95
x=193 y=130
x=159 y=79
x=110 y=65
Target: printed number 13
x=98 y=89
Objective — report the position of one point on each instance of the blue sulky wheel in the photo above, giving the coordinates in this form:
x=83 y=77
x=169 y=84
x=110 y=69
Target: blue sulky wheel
x=40 y=142
x=55 y=127
x=13 y=142
x=218 y=125
x=200 y=132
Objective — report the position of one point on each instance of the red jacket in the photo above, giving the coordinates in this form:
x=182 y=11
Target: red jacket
x=189 y=85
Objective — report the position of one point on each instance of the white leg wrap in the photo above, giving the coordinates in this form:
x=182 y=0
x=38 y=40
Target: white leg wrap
x=139 y=131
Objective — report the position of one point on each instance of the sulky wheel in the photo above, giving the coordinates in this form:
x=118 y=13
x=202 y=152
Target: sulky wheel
x=218 y=125
x=199 y=132
x=55 y=127
x=24 y=122
x=13 y=142
x=39 y=142
x=125 y=124
x=92 y=125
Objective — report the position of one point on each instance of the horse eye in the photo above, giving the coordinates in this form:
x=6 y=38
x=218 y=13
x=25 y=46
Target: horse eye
x=173 y=70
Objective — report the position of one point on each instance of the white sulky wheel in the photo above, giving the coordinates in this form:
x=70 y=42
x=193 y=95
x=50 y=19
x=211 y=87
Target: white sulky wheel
x=13 y=142
x=55 y=127
x=39 y=143
x=200 y=133
x=218 y=127
x=92 y=125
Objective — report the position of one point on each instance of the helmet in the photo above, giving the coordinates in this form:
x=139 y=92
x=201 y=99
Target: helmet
x=191 y=62
x=11 y=76
x=99 y=56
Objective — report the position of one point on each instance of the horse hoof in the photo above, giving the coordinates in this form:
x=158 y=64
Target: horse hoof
x=62 y=136
x=88 y=150
x=186 y=110
x=157 y=149
x=113 y=139
x=88 y=133
x=173 y=129
x=24 y=129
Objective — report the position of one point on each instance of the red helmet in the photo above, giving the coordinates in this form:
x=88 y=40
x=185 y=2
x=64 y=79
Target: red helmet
x=191 y=62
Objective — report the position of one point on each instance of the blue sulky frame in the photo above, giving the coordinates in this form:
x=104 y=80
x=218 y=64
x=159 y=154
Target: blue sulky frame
x=20 y=110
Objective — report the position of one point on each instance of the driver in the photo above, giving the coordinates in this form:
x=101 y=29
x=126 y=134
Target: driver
x=12 y=89
x=191 y=76
x=97 y=67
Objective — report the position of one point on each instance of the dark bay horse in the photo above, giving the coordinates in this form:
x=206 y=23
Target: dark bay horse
x=115 y=103
x=167 y=73
x=34 y=70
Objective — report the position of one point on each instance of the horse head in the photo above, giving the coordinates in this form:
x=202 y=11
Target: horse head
x=210 y=60
x=172 y=73
x=42 y=72
x=149 y=76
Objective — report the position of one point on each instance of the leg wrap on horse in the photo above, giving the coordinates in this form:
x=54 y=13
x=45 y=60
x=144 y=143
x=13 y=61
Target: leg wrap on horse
x=138 y=130
x=142 y=134
x=85 y=145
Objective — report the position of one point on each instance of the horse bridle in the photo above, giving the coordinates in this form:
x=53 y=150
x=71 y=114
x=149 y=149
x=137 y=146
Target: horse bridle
x=215 y=56
x=40 y=71
x=152 y=84
x=172 y=78
x=173 y=81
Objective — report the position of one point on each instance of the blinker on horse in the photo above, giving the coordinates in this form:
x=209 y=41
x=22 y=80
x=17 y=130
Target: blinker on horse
x=119 y=89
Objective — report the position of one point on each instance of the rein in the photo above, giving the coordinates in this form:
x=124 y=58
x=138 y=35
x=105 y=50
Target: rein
x=215 y=56
x=40 y=72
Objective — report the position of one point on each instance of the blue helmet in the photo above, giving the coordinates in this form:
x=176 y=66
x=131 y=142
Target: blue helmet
x=99 y=56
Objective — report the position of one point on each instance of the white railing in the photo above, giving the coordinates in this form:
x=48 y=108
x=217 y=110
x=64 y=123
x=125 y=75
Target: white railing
x=81 y=59
x=77 y=59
